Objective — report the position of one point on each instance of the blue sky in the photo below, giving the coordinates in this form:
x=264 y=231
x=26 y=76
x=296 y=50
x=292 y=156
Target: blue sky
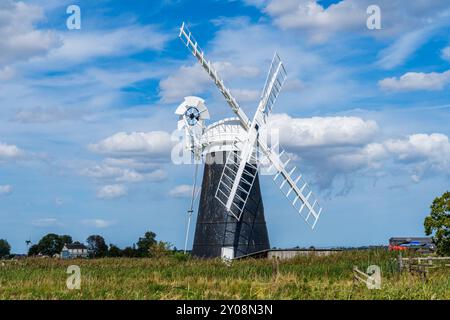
x=86 y=115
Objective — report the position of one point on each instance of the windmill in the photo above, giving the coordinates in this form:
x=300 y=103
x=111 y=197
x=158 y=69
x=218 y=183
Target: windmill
x=231 y=219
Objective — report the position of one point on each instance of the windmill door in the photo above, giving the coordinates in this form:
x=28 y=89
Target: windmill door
x=227 y=253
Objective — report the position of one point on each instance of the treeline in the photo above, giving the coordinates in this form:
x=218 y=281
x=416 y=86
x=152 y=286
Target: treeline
x=52 y=244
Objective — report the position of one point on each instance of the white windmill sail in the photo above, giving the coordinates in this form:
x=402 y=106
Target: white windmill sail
x=275 y=80
x=295 y=189
x=244 y=170
x=236 y=183
x=241 y=166
x=190 y=42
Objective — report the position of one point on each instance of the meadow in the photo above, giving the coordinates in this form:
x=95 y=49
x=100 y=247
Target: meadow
x=181 y=277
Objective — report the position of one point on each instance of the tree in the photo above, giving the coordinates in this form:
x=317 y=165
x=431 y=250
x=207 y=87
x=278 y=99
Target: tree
x=50 y=244
x=144 y=244
x=130 y=252
x=97 y=246
x=114 y=251
x=438 y=223
x=160 y=249
x=5 y=248
x=34 y=250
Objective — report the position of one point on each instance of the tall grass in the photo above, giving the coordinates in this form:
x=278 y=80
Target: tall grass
x=312 y=277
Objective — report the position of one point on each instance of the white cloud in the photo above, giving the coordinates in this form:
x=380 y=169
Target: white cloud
x=370 y=156
x=102 y=171
x=446 y=53
x=5 y=190
x=8 y=151
x=327 y=148
x=323 y=131
x=416 y=81
x=44 y=115
x=20 y=39
x=133 y=163
x=98 y=223
x=135 y=153
x=351 y=14
x=418 y=154
x=342 y=148
x=94 y=79
x=155 y=144
x=47 y=222
x=119 y=174
x=7 y=73
x=134 y=176
x=245 y=95
x=306 y=14
x=130 y=176
x=397 y=53
x=181 y=191
x=432 y=148
x=320 y=22
x=189 y=80
x=83 y=46
x=111 y=191
x=304 y=87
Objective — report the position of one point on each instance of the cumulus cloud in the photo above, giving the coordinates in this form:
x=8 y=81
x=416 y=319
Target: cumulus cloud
x=5 y=190
x=8 y=151
x=431 y=148
x=132 y=157
x=370 y=156
x=330 y=149
x=419 y=154
x=155 y=144
x=323 y=131
x=327 y=148
x=307 y=14
x=98 y=223
x=111 y=191
x=181 y=191
x=20 y=39
x=416 y=81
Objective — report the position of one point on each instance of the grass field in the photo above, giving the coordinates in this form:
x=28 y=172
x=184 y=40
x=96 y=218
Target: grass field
x=180 y=278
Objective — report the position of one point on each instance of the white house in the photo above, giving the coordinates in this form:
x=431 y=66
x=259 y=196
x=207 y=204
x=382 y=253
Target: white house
x=74 y=250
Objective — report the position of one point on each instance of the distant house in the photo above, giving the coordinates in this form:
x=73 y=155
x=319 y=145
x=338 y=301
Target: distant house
x=422 y=244
x=74 y=250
